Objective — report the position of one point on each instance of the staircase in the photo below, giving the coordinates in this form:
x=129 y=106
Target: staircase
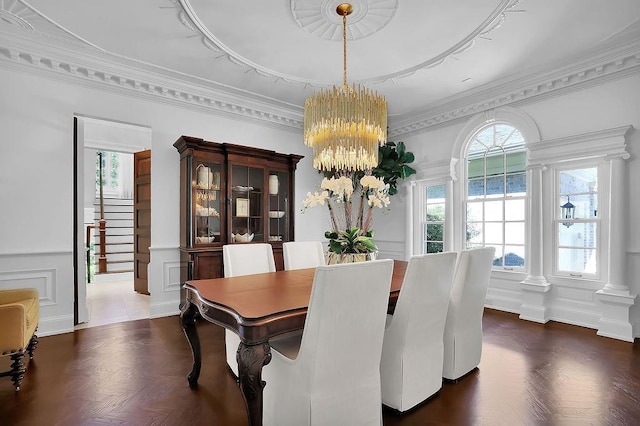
x=118 y=214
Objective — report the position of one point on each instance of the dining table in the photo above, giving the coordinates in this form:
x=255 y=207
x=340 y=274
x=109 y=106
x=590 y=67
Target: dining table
x=257 y=307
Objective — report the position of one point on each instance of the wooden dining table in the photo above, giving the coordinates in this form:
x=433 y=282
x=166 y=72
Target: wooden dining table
x=257 y=308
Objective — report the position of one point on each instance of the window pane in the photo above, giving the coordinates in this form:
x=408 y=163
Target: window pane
x=586 y=205
x=435 y=193
x=514 y=209
x=514 y=233
x=497 y=258
x=517 y=184
x=474 y=233
x=434 y=232
x=514 y=256
x=516 y=162
x=495 y=185
x=495 y=165
x=577 y=235
x=474 y=212
x=476 y=187
x=435 y=212
x=577 y=260
x=493 y=210
x=433 y=247
x=493 y=233
x=579 y=180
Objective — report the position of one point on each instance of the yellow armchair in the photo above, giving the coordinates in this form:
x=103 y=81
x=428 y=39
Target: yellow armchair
x=19 y=317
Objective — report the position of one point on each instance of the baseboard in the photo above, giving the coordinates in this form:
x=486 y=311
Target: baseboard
x=55 y=325
x=163 y=309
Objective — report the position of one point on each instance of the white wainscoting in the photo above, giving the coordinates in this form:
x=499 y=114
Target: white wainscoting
x=388 y=249
x=51 y=273
x=164 y=281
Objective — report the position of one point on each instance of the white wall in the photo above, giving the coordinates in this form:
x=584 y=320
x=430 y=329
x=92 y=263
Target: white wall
x=609 y=105
x=36 y=183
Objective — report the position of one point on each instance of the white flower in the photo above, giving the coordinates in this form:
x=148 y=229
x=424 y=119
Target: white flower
x=372 y=182
x=341 y=189
x=379 y=199
x=315 y=199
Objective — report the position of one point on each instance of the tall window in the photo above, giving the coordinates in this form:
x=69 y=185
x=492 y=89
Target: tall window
x=496 y=193
x=577 y=237
x=434 y=217
x=117 y=174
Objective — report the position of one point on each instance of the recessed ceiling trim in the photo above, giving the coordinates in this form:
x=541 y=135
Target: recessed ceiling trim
x=495 y=19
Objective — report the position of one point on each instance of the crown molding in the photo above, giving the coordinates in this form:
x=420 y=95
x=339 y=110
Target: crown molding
x=610 y=62
x=70 y=60
x=59 y=59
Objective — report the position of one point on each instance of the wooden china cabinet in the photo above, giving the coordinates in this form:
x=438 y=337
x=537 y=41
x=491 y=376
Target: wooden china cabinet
x=231 y=194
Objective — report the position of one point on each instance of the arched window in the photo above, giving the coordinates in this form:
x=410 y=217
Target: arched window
x=496 y=193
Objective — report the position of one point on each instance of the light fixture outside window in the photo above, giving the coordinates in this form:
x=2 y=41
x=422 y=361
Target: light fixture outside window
x=345 y=125
x=567 y=210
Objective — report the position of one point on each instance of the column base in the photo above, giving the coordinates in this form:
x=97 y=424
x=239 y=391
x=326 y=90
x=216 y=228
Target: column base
x=615 y=321
x=535 y=292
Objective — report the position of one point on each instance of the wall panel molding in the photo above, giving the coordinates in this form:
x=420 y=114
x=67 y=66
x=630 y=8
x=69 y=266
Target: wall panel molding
x=44 y=280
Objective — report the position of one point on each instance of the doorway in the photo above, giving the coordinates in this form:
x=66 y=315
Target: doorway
x=108 y=295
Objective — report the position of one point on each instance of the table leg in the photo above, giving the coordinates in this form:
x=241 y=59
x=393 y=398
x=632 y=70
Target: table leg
x=251 y=359
x=188 y=320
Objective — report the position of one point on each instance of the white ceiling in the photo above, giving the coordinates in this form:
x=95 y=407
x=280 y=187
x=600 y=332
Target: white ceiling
x=420 y=54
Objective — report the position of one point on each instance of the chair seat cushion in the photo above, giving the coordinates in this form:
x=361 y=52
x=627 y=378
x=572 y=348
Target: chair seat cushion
x=288 y=344
x=31 y=311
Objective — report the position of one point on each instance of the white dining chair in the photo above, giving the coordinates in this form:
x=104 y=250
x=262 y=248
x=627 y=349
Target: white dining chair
x=330 y=373
x=412 y=353
x=243 y=259
x=463 y=329
x=302 y=254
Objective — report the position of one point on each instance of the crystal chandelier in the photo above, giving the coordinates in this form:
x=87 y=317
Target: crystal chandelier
x=345 y=125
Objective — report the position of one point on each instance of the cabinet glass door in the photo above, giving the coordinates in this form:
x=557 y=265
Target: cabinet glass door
x=247 y=189
x=207 y=202
x=278 y=185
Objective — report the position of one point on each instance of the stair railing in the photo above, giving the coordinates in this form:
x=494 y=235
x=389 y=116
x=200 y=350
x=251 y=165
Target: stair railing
x=102 y=228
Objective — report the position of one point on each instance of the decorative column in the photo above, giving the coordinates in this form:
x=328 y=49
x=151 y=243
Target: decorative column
x=535 y=288
x=615 y=297
x=409 y=219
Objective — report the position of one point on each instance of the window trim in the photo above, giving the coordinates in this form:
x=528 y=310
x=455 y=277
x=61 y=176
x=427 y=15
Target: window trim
x=422 y=200
x=470 y=137
x=556 y=220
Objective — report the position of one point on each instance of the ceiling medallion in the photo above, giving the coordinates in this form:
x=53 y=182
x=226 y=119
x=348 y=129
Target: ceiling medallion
x=321 y=20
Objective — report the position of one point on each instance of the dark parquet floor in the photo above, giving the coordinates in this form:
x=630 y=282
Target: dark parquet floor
x=135 y=374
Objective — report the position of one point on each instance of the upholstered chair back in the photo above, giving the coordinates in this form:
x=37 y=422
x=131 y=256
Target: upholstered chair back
x=463 y=329
x=302 y=254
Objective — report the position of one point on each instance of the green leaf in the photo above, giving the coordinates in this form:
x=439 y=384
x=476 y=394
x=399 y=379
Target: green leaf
x=335 y=246
x=408 y=157
x=330 y=235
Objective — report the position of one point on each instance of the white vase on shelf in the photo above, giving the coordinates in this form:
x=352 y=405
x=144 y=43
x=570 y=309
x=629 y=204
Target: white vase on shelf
x=274 y=185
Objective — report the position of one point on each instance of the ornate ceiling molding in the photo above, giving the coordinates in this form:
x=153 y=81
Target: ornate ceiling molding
x=21 y=14
x=590 y=72
x=189 y=18
x=367 y=17
x=107 y=73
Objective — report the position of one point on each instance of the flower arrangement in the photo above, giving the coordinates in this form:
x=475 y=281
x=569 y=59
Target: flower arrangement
x=351 y=235
x=350 y=228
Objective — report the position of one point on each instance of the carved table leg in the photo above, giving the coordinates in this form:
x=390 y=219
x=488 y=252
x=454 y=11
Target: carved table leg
x=251 y=359
x=188 y=321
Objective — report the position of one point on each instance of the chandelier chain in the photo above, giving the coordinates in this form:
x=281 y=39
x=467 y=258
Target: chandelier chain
x=344 y=46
